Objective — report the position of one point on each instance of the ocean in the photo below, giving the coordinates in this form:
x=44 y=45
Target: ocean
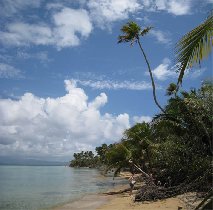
x=43 y=187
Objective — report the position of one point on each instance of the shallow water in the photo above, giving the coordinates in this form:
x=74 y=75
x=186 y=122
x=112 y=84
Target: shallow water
x=40 y=187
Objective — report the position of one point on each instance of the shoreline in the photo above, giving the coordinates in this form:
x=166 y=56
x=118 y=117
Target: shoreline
x=123 y=201
x=87 y=202
x=92 y=201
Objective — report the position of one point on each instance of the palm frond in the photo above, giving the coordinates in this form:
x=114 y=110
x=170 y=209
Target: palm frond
x=194 y=46
x=145 y=31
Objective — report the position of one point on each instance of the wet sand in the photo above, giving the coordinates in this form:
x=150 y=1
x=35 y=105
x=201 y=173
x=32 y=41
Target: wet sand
x=88 y=202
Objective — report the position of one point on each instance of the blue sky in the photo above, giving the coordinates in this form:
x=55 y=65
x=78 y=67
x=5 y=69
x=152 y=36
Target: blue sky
x=66 y=85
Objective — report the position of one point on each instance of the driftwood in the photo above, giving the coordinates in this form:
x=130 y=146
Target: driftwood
x=152 y=192
x=121 y=191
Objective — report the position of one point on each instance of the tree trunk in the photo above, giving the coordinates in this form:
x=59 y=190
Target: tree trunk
x=151 y=76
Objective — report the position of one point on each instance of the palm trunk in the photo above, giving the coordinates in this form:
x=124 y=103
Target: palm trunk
x=151 y=76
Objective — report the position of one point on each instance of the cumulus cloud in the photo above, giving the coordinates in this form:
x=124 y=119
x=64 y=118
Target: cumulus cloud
x=181 y=7
x=141 y=119
x=164 y=71
x=19 y=34
x=69 y=26
x=114 y=85
x=8 y=71
x=57 y=127
x=104 y=12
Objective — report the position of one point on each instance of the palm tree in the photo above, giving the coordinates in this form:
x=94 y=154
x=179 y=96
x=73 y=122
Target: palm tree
x=131 y=33
x=171 y=90
x=194 y=46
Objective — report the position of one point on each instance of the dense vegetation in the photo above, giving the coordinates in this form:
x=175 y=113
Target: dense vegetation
x=84 y=159
x=176 y=146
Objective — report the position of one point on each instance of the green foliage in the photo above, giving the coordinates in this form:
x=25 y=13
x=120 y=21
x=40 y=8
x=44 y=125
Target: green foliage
x=185 y=149
x=101 y=152
x=84 y=159
x=118 y=155
x=171 y=89
x=194 y=46
x=138 y=140
x=192 y=114
x=131 y=32
x=175 y=147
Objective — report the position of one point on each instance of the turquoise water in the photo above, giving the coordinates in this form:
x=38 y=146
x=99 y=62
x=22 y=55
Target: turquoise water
x=40 y=187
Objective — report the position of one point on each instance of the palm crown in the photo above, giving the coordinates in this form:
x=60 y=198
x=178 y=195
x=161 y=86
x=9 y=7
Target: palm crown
x=131 y=32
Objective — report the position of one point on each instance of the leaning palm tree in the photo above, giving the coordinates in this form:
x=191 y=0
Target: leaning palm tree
x=194 y=46
x=131 y=33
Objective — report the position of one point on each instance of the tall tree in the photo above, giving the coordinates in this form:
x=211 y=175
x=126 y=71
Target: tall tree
x=194 y=46
x=131 y=33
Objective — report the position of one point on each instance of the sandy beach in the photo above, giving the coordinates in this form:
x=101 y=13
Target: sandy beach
x=121 y=202
x=124 y=201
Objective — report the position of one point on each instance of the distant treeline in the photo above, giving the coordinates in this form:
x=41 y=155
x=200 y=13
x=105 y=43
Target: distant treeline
x=84 y=159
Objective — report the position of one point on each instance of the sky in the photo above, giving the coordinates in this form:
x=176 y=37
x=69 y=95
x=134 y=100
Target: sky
x=65 y=83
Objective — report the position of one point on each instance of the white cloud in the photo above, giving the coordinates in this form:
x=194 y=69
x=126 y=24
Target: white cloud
x=8 y=71
x=141 y=119
x=181 y=7
x=161 y=36
x=114 y=85
x=69 y=27
x=11 y=7
x=42 y=55
x=164 y=71
x=20 y=34
x=34 y=126
x=104 y=12
x=69 y=24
